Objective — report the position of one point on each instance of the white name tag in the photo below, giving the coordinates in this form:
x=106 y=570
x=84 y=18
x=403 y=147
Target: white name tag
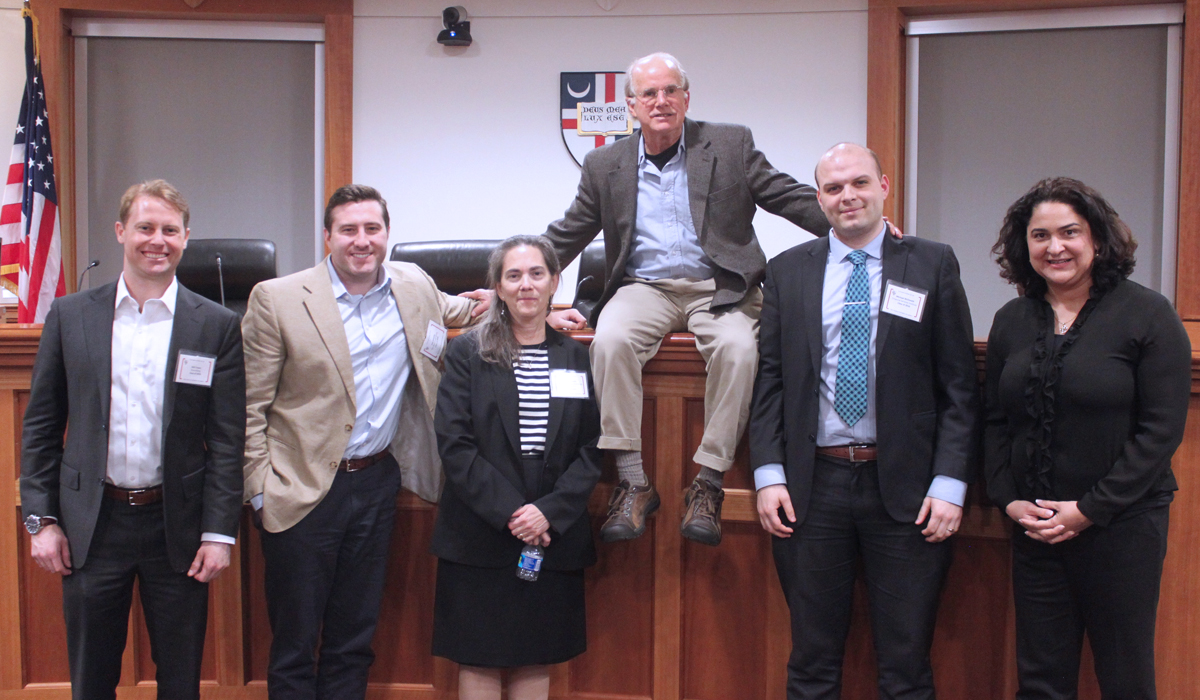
x=435 y=341
x=195 y=368
x=903 y=301
x=568 y=384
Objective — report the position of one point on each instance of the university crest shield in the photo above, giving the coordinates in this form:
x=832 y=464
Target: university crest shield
x=593 y=111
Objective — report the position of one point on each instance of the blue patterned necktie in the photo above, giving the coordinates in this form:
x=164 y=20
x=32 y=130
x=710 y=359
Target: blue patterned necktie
x=850 y=388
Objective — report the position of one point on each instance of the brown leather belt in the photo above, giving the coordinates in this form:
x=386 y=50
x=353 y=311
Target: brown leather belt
x=358 y=463
x=851 y=453
x=134 y=497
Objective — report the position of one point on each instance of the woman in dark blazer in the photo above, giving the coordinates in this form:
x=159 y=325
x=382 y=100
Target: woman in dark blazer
x=1088 y=379
x=517 y=426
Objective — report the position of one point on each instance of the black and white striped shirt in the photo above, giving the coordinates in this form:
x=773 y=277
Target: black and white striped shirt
x=532 y=370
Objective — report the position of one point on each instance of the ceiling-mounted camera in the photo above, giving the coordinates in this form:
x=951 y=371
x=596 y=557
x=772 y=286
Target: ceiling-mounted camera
x=457 y=30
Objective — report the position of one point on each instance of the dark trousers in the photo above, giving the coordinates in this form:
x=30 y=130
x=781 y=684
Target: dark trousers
x=324 y=583
x=817 y=566
x=1104 y=582
x=130 y=543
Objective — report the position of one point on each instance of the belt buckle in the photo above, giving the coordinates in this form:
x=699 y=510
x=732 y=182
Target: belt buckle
x=850 y=449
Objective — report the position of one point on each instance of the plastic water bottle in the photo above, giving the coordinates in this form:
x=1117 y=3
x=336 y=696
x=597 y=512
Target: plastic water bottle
x=530 y=562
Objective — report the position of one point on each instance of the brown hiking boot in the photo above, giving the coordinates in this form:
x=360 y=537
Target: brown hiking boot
x=628 y=509
x=702 y=519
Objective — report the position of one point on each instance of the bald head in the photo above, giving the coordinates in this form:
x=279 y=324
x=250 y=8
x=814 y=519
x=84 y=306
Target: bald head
x=851 y=189
x=844 y=150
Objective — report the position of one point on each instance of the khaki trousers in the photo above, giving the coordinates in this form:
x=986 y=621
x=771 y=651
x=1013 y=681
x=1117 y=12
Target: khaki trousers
x=632 y=326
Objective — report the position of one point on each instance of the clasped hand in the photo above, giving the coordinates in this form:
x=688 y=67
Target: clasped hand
x=1049 y=521
x=529 y=525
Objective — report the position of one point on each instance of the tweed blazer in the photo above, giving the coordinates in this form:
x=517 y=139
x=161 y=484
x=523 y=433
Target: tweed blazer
x=728 y=179
x=300 y=393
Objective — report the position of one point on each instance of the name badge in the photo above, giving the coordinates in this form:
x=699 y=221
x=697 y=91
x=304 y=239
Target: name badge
x=195 y=368
x=435 y=341
x=904 y=301
x=568 y=384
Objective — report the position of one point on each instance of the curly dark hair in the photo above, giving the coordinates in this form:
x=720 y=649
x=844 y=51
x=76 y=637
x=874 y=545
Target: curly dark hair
x=1114 y=241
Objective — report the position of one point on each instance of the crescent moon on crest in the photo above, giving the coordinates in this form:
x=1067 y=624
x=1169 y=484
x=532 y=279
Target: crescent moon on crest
x=578 y=95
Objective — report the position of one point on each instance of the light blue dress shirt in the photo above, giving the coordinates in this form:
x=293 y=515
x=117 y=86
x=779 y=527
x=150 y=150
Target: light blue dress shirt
x=665 y=245
x=379 y=356
x=831 y=429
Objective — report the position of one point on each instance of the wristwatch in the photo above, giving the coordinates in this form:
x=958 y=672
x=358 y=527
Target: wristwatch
x=35 y=523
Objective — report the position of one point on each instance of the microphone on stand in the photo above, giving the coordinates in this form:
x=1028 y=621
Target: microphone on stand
x=221 y=278
x=83 y=274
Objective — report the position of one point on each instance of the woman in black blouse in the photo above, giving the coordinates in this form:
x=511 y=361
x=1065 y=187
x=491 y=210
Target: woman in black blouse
x=517 y=426
x=1088 y=378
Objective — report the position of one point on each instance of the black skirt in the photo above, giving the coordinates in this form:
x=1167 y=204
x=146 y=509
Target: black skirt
x=490 y=618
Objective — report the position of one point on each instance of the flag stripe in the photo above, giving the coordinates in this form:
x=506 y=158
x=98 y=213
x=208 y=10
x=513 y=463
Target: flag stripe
x=29 y=223
x=47 y=239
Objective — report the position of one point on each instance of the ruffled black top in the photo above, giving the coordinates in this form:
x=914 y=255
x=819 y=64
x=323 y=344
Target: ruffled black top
x=1092 y=416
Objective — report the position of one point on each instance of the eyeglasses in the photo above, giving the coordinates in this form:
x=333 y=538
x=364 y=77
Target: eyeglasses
x=651 y=94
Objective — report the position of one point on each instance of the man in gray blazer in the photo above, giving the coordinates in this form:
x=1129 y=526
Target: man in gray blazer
x=147 y=484
x=863 y=431
x=675 y=203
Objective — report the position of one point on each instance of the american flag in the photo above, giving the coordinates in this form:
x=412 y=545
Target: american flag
x=31 y=256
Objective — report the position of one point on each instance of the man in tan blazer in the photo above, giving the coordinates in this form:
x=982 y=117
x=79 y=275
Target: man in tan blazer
x=342 y=373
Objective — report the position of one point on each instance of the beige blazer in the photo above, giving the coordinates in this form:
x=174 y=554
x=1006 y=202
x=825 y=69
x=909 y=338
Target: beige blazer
x=300 y=396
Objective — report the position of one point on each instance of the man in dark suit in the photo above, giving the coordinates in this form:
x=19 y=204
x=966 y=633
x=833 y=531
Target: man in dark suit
x=147 y=485
x=675 y=202
x=863 y=429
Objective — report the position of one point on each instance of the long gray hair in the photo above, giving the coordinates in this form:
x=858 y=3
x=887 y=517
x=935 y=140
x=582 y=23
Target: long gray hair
x=497 y=342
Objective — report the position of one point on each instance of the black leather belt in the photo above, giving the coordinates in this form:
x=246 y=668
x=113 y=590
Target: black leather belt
x=851 y=453
x=360 y=463
x=134 y=497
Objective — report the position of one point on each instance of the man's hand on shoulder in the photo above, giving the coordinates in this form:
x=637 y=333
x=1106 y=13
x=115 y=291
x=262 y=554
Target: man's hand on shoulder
x=51 y=551
x=770 y=500
x=895 y=229
x=483 y=296
x=566 y=320
x=211 y=559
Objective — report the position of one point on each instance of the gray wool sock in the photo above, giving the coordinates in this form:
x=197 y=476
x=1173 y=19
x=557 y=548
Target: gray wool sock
x=629 y=467
x=712 y=476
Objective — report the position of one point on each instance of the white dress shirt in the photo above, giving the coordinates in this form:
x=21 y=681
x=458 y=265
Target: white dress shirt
x=665 y=245
x=832 y=430
x=141 y=340
x=379 y=355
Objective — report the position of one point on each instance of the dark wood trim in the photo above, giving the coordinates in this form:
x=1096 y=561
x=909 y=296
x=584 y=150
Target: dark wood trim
x=54 y=33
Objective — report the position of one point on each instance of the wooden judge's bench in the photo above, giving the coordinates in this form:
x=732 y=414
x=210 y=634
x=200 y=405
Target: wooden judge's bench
x=667 y=618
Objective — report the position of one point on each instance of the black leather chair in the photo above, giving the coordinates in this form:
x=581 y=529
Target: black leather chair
x=455 y=266
x=243 y=263
x=590 y=286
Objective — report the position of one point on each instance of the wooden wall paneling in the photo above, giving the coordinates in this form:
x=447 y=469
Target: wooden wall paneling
x=402 y=640
x=256 y=627
x=668 y=457
x=223 y=646
x=1178 y=632
x=1187 y=272
x=620 y=595
x=43 y=642
x=339 y=100
x=10 y=538
x=723 y=597
x=885 y=100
